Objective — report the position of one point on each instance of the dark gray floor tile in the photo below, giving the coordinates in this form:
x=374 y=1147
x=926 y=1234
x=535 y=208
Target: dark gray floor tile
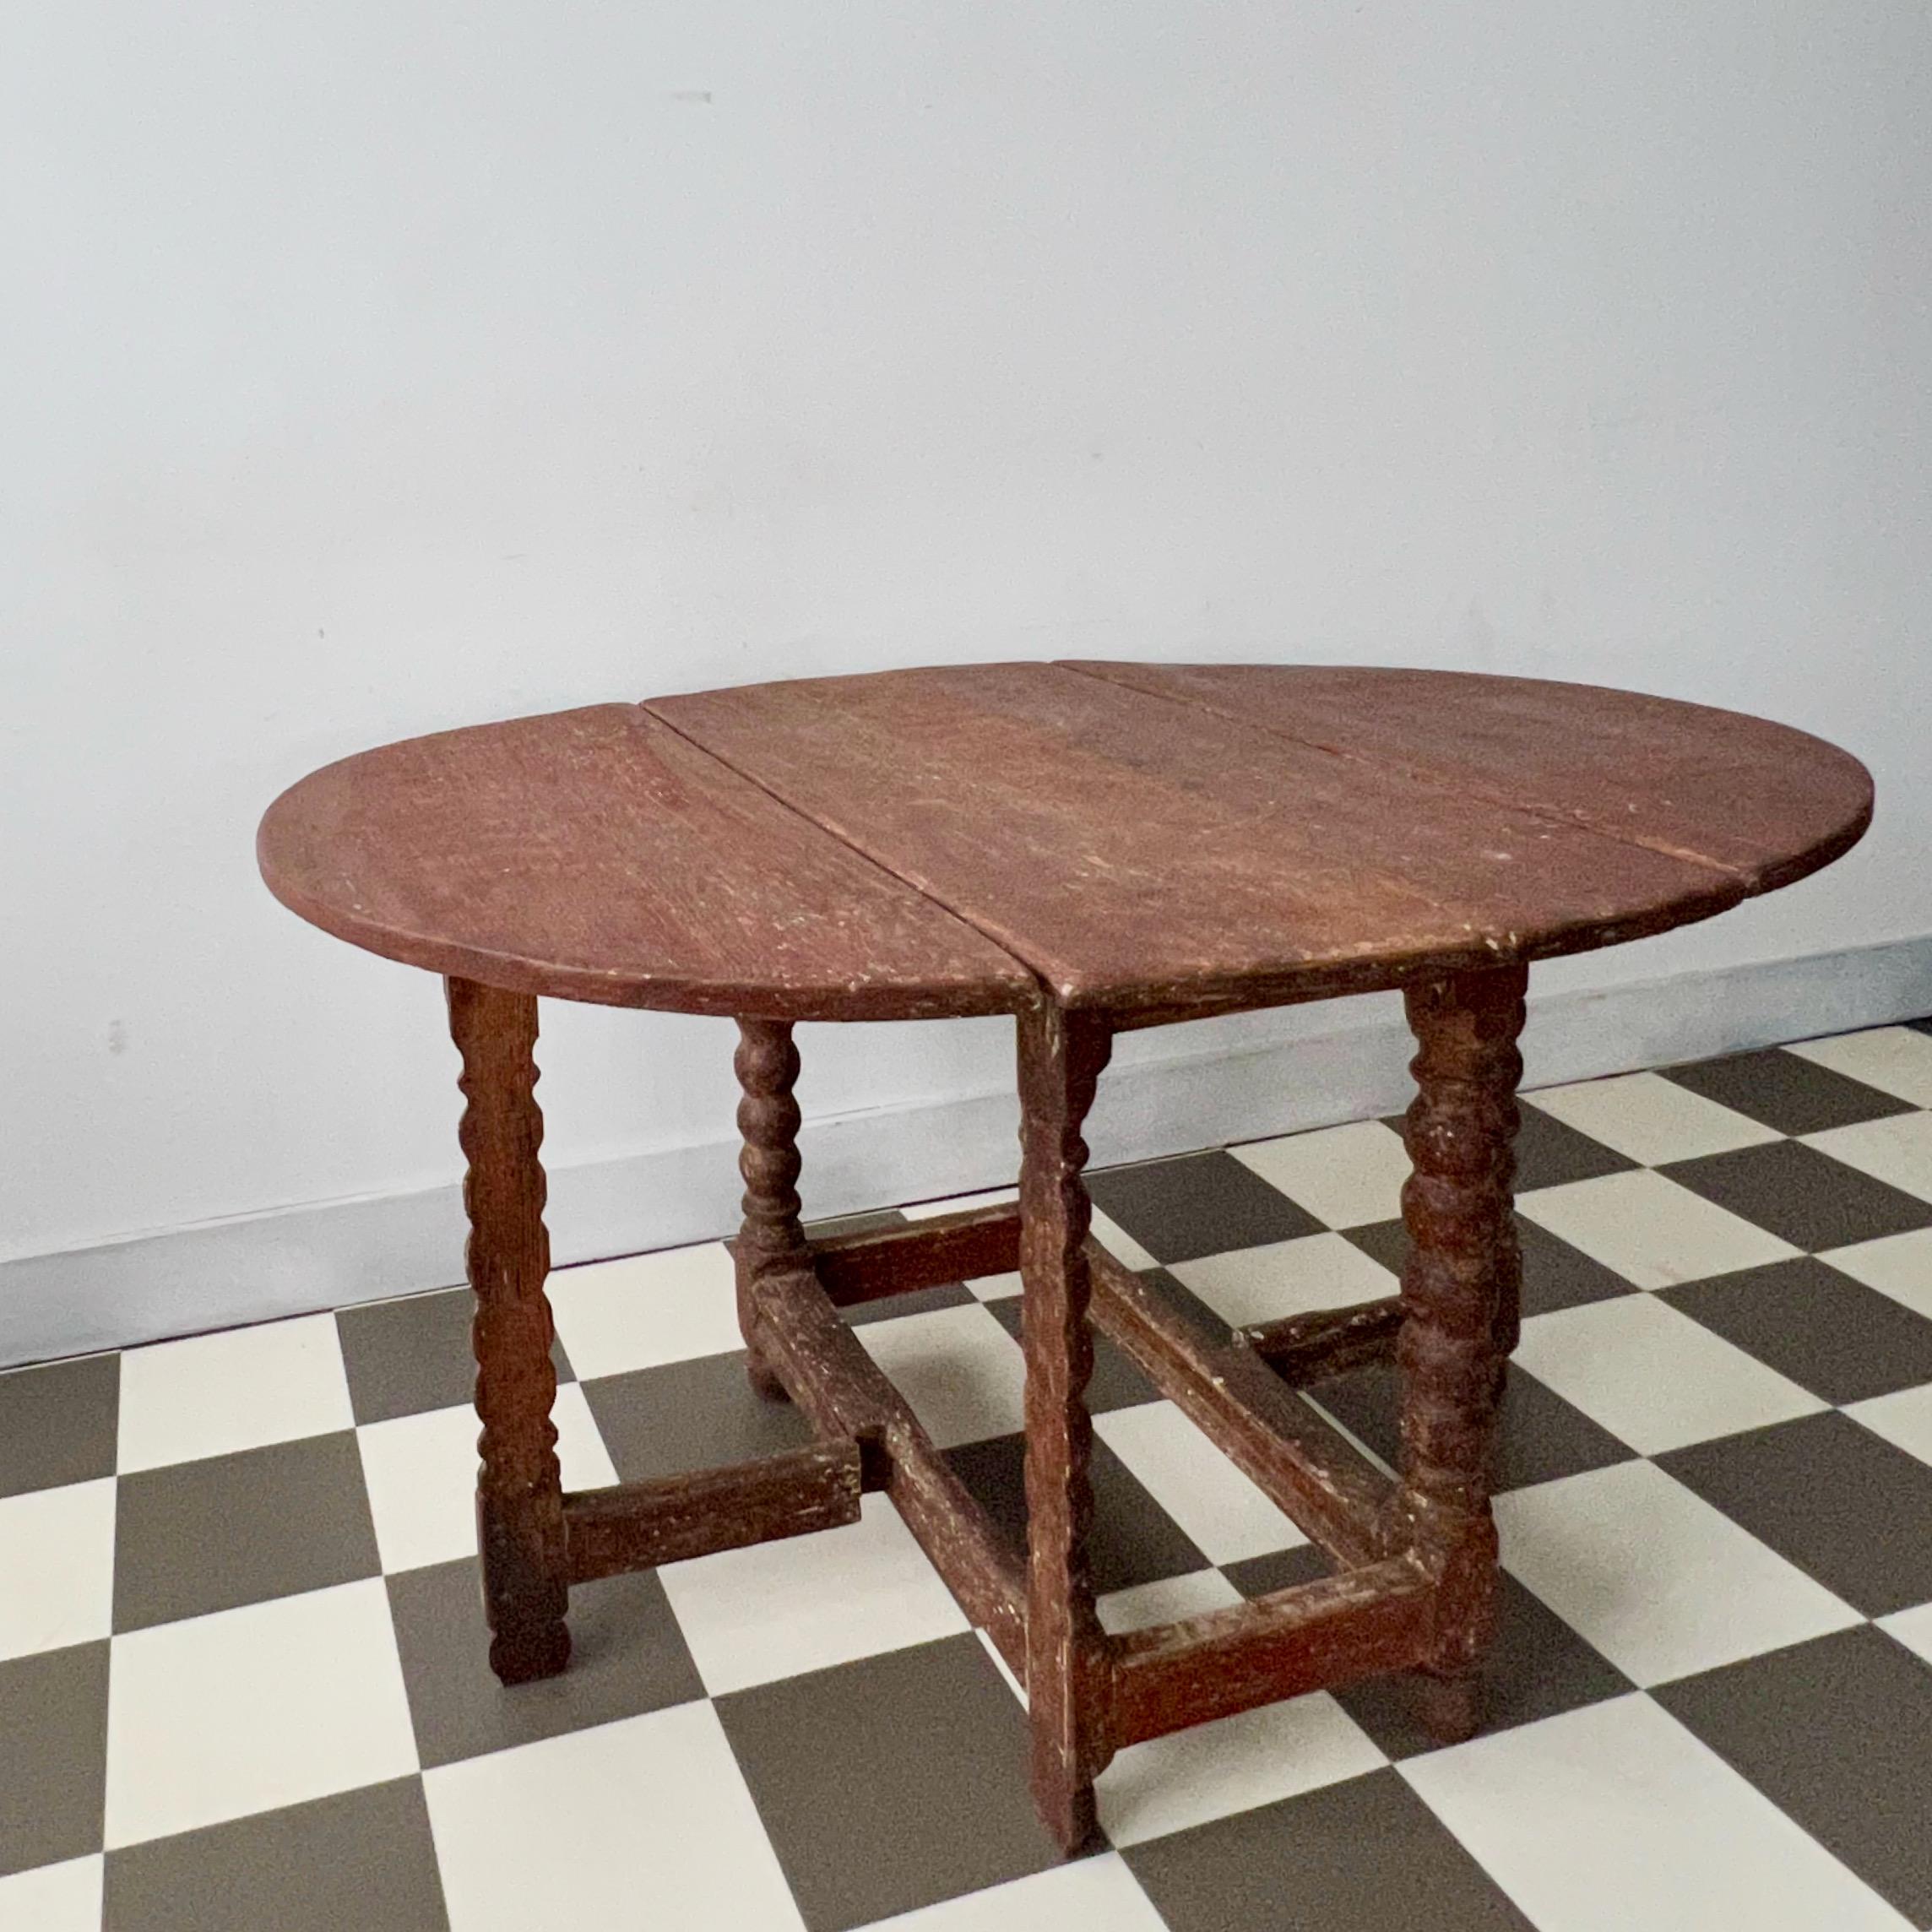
x=855 y=1224
x=362 y=1860
x=1200 y=1204
x=1838 y=1733
x=1555 y=1274
x=1116 y=1383
x=1280 y=1570
x=699 y=1414
x=1365 y=1855
x=890 y=1783
x=920 y=1301
x=1801 y=1196
x=53 y=1756
x=1794 y=1095
x=1831 y=1334
x=627 y=1656
x=1537 y=1666
x=1134 y=1540
x=1549 y=1151
x=208 y=1535
x=1542 y=1435
x=405 y=1357
x=58 y=1424
x=1840 y=1503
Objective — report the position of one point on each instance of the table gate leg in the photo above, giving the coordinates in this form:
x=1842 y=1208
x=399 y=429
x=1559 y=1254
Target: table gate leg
x=519 y=1498
x=1460 y=1293
x=1060 y=1057
x=770 y=1240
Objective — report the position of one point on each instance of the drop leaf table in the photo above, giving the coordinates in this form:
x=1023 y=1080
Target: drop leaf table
x=1090 y=847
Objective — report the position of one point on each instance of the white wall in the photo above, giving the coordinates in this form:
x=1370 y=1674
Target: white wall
x=369 y=367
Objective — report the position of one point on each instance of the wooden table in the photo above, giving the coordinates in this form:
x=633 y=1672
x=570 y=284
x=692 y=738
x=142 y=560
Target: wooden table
x=1090 y=847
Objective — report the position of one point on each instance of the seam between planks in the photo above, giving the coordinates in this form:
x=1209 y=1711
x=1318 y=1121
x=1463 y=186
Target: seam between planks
x=1041 y=988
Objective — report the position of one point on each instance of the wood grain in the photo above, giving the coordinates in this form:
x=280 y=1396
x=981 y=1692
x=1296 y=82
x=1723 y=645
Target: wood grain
x=596 y=855
x=1761 y=800
x=1144 y=854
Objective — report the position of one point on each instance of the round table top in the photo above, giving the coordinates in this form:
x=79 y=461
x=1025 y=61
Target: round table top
x=1154 y=840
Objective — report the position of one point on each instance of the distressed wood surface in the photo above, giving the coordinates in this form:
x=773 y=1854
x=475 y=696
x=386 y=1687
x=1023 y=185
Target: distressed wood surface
x=1327 y=1342
x=873 y=1262
x=1308 y=1637
x=519 y=1495
x=1060 y=1058
x=596 y=855
x=1759 y=800
x=1461 y=1290
x=771 y=1240
x=637 y=1526
x=1294 y=1455
x=1144 y=854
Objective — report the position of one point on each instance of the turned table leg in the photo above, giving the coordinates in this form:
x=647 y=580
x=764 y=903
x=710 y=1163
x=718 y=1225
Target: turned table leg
x=1060 y=1058
x=770 y=1242
x=1460 y=1293
x=519 y=1499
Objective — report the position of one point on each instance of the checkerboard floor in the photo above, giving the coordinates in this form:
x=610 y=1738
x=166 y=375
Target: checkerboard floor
x=241 y=1665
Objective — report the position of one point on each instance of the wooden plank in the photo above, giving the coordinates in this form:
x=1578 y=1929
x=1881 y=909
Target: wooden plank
x=1139 y=853
x=1297 y=1457
x=843 y=1394
x=596 y=854
x=874 y=1262
x=637 y=1526
x=1329 y=1342
x=1308 y=1637
x=1761 y=801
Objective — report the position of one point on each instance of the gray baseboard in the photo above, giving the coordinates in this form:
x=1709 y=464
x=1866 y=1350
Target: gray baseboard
x=324 y=1254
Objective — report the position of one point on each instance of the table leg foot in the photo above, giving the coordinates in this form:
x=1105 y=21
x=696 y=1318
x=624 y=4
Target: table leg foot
x=1460 y=1293
x=1449 y=1707
x=771 y=1241
x=519 y=1493
x=1062 y=1055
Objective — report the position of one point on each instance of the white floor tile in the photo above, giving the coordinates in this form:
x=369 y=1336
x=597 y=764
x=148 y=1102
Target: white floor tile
x=1005 y=1670
x=1166 y=1600
x=1285 y=1277
x=1653 y=1232
x=1216 y=1770
x=1616 y=1817
x=1903 y=1419
x=996 y=1287
x=808 y=1602
x=646 y=1309
x=1897 y=1150
x=643 y=1822
x=963 y=1374
x=1346 y=1176
x=56 y=1567
x=1226 y=1516
x=1662 y=1583
x=1912 y=1628
x=1897 y=1265
x=1094 y=1895
x=1652 y=1376
x=1896 y=1059
x=1651 y=1119
x=64 y=1897
x=217 y=1717
x=211 y=1394
x=420 y=1473
x=1119 y=1243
